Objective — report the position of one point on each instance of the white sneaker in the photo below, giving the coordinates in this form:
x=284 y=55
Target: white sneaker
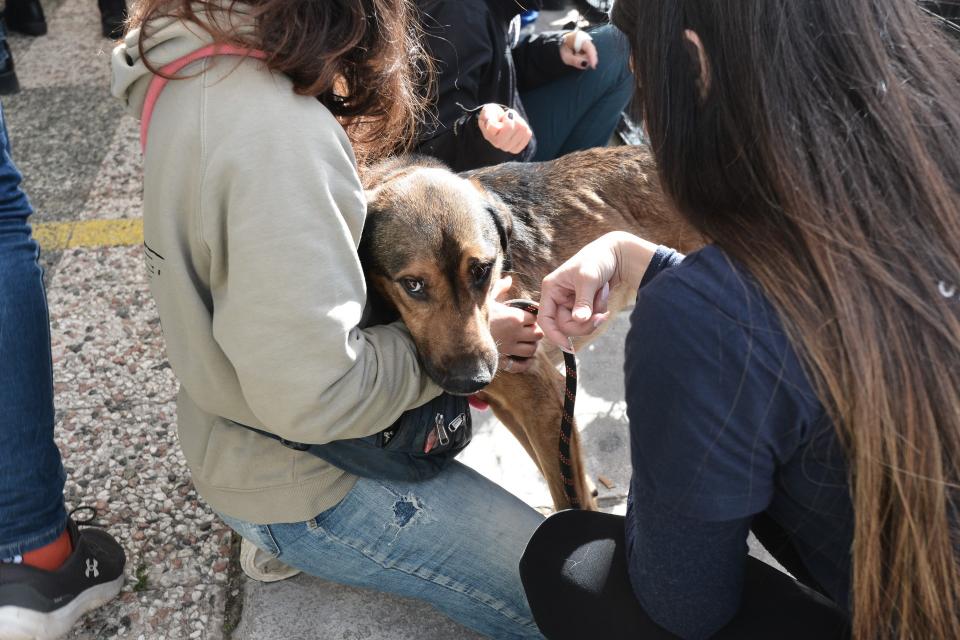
x=261 y=566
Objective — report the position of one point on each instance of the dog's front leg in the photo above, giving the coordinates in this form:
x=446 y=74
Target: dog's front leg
x=530 y=405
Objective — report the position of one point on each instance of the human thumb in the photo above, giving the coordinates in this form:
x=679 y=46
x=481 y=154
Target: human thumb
x=583 y=307
x=491 y=113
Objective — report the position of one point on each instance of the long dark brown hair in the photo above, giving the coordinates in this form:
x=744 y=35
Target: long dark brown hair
x=361 y=58
x=824 y=156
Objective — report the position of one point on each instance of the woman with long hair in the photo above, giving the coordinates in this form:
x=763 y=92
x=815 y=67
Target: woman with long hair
x=800 y=375
x=253 y=210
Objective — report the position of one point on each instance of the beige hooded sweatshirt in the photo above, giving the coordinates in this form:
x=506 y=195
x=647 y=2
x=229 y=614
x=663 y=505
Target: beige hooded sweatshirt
x=252 y=215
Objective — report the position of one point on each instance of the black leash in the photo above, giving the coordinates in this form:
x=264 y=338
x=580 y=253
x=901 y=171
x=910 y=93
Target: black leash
x=569 y=402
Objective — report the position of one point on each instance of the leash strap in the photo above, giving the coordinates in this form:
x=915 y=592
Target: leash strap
x=168 y=72
x=569 y=403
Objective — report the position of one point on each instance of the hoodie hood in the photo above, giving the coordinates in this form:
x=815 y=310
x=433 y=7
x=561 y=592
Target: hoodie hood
x=169 y=39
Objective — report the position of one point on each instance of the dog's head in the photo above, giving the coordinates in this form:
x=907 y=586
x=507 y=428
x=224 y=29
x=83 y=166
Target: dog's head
x=433 y=245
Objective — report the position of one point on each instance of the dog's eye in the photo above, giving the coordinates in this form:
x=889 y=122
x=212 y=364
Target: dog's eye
x=412 y=285
x=480 y=272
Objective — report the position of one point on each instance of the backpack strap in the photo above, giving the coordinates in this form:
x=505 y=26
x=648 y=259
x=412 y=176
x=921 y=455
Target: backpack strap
x=167 y=73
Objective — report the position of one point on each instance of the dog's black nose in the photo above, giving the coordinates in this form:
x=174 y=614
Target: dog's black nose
x=466 y=385
x=466 y=374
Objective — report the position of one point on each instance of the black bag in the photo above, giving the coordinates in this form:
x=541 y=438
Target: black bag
x=415 y=447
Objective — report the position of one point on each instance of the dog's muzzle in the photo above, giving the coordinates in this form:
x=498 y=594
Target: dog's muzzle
x=467 y=376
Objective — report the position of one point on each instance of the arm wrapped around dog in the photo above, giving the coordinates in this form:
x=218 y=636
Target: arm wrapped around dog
x=288 y=288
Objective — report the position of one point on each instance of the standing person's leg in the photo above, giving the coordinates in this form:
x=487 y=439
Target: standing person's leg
x=31 y=484
x=8 y=76
x=113 y=18
x=26 y=17
x=51 y=572
x=453 y=541
x=581 y=110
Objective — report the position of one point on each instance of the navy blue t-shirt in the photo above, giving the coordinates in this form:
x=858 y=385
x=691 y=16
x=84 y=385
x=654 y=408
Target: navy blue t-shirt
x=724 y=425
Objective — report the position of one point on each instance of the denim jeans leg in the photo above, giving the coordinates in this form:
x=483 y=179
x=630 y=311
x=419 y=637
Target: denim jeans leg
x=581 y=110
x=453 y=541
x=31 y=474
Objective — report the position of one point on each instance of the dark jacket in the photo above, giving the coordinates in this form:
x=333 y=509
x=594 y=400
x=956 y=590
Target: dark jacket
x=476 y=63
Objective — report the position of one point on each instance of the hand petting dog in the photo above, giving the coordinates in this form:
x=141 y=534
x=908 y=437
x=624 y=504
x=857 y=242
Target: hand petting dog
x=573 y=299
x=515 y=331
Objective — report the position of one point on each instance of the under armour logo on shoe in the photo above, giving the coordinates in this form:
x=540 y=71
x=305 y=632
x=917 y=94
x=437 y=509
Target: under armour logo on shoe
x=91 y=568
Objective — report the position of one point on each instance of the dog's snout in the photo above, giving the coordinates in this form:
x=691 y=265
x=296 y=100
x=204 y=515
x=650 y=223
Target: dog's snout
x=469 y=374
x=467 y=386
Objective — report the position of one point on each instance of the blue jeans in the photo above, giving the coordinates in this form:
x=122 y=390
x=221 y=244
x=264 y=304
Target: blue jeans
x=454 y=541
x=31 y=474
x=581 y=110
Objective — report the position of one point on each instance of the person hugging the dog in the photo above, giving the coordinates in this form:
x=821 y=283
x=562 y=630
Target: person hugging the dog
x=503 y=96
x=253 y=212
x=799 y=377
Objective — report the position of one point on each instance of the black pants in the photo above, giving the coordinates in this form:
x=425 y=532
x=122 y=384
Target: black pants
x=597 y=601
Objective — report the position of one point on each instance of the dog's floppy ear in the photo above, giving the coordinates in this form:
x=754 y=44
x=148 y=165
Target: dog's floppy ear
x=379 y=308
x=504 y=224
x=499 y=212
x=365 y=249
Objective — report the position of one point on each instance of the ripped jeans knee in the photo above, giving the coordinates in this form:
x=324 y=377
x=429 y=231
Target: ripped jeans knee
x=453 y=541
x=406 y=508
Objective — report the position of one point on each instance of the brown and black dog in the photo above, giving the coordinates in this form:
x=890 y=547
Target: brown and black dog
x=434 y=242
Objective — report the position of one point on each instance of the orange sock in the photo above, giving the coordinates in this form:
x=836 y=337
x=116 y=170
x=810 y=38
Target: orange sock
x=51 y=556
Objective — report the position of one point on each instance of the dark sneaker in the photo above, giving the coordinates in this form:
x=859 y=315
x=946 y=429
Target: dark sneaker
x=8 y=76
x=113 y=17
x=26 y=17
x=43 y=605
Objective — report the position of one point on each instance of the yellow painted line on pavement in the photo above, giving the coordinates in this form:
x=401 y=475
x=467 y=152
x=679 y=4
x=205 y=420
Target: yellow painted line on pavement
x=88 y=234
